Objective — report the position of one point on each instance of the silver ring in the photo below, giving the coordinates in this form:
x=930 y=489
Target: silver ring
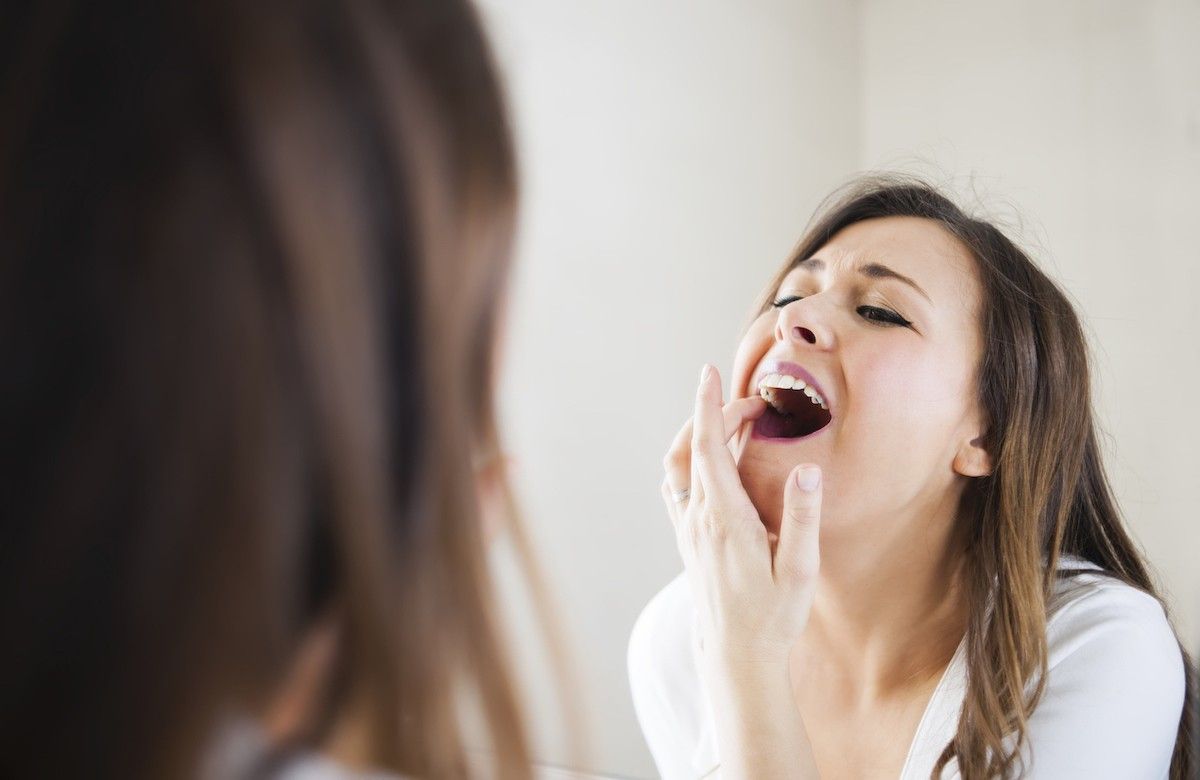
x=680 y=495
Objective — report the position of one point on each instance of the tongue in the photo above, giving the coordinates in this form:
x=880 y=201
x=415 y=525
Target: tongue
x=777 y=426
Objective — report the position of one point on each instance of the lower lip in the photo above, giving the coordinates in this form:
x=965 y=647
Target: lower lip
x=754 y=434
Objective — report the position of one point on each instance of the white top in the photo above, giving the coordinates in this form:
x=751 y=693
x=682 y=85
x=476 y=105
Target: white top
x=1111 y=707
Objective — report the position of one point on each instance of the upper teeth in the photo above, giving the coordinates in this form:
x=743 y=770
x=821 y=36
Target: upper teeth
x=785 y=382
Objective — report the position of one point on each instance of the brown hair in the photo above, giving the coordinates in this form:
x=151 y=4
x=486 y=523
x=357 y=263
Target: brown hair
x=1047 y=495
x=250 y=253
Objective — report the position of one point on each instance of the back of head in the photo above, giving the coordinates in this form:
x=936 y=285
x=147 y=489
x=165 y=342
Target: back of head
x=250 y=253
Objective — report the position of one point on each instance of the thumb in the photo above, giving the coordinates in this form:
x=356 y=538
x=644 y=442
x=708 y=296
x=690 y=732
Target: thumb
x=798 y=553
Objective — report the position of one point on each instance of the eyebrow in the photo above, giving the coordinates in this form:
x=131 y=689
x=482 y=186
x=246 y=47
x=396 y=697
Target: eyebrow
x=873 y=270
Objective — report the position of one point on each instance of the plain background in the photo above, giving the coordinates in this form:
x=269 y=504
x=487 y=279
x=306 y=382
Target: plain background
x=672 y=153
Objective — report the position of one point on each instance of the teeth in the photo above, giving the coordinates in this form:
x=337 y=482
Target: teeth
x=785 y=382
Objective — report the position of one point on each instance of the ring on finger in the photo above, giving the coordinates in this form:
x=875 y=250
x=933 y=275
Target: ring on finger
x=680 y=495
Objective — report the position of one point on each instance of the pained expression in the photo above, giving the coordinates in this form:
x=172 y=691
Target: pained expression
x=895 y=366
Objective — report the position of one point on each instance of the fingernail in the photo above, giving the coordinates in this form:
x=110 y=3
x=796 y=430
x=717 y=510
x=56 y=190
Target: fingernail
x=704 y=372
x=808 y=478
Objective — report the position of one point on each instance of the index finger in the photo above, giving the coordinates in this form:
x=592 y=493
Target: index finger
x=678 y=460
x=712 y=462
x=735 y=414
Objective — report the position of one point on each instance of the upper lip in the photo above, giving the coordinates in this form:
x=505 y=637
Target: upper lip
x=796 y=370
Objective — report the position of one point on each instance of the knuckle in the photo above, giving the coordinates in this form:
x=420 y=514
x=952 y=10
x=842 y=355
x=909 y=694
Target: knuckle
x=716 y=533
x=799 y=515
x=715 y=527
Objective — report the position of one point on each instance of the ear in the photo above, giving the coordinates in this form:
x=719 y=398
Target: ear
x=972 y=460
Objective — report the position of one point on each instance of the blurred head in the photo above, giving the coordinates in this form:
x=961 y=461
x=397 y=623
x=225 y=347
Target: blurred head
x=884 y=316
x=969 y=404
x=254 y=262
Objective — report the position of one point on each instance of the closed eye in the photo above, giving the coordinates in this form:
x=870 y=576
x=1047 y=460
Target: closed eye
x=873 y=314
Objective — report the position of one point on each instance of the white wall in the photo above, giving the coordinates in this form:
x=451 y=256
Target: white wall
x=672 y=152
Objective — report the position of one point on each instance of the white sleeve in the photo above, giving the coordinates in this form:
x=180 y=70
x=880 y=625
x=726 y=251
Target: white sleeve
x=1115 y=690
x=657 y=677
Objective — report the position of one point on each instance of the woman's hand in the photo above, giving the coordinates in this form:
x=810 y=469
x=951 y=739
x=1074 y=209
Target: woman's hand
x=752 y=600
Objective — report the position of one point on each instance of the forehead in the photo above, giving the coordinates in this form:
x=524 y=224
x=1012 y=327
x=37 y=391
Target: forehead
x=918 y=248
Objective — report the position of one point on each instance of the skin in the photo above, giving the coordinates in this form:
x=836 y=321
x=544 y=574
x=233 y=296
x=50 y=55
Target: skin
x=866 y=611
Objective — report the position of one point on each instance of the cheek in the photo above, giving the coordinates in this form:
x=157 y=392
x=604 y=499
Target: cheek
x=901 y=391
x=755 y=344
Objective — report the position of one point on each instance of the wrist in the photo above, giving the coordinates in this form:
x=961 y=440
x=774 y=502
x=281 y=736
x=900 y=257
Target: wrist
x=747 y=675
x=757 y=724
x=751 y=659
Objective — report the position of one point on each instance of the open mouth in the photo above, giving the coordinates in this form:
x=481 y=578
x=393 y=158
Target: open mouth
x=792 y=412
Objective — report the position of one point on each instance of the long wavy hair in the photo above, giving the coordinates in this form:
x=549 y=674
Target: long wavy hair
x=252 y=261
x=1048 y=494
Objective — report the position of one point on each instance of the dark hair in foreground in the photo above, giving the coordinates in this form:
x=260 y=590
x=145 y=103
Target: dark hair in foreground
x=248 y=254
x=1048 y=493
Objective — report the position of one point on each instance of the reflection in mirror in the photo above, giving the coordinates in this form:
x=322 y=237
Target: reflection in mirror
x=1029 y=406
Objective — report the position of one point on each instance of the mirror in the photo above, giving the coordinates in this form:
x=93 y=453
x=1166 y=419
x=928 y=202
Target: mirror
x=672 y=155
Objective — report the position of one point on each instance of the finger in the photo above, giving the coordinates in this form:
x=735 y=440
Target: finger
x=735 y=414
x=680 y=449
x=673 y=506
x=713 y=467
x=799 y=552
x=678 y=461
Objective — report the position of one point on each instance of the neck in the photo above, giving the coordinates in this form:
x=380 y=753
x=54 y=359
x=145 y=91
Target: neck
x=887 y=615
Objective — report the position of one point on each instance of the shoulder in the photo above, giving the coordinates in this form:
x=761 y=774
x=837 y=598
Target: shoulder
x=1115 y=682
x=668 y=694
x=1093 y=609
x=666 y=616
x=660 y=653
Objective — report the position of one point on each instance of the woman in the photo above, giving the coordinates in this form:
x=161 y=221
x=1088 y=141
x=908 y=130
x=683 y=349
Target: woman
x=909 y=560
x=251 y=252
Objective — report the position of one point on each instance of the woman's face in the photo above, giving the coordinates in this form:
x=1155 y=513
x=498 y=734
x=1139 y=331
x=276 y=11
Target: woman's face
x=905 y=425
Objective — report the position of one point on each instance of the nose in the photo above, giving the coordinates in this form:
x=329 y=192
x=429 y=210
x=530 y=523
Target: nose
x=795 y=324
x=797 y=332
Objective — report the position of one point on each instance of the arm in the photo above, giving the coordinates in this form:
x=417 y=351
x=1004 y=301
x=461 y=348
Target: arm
x=759 y=730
